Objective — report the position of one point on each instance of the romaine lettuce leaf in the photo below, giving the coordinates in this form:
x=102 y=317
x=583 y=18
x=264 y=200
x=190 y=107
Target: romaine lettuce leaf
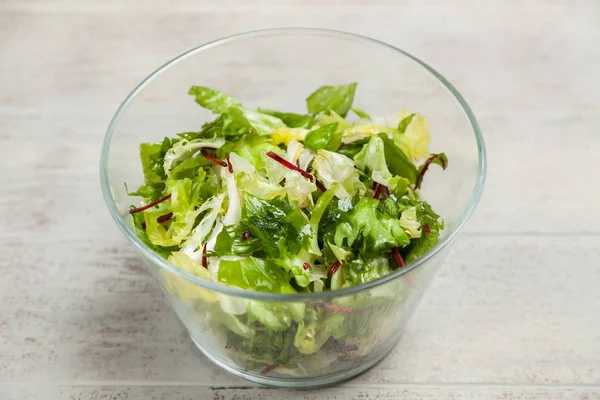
x=152 y=156
x=254 y=274
x=213 y=100
x=255 y=121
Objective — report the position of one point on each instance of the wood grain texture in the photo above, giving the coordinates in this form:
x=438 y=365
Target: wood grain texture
x=513 y=314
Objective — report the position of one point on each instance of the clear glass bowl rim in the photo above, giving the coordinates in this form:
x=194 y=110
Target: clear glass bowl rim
x=233 y=291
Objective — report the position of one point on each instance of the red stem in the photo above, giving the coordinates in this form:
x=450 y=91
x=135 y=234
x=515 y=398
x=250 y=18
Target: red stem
x=386 y=192
x=212 y=159
x=291 y=166
x=164 y=218
x=150 y=205
x=229 y=166
x=425 y=168
x=320 y=185
x=268 y=369
x=334 y=267
x=377 y=191
x=204 y=262
x=398 y=257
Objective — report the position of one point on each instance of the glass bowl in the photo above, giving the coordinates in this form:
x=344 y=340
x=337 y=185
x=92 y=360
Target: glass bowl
x=277 y=69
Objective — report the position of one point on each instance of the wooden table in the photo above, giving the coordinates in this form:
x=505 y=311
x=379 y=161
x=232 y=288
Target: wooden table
x=513 y=314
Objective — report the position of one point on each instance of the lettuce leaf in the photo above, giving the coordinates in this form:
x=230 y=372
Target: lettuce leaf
x=184 y=211
x=185 y=149
x=363 y=270
x=372 y=158
x=317 y=213
x=231 y=241
x=325 y=137
x=279 y=225
x=152 y=156
x=413 y=136
x=213 y=100
x=254 y=121
x=404 y=122
x=333 y=168
x=277 y=317
x=252 y=147
x=291 y=120
x=254 y=274
x=331 y=117
x=431 y=225
x=369 y=230
x=362 y=114
x=397 y=162
x=336 y=98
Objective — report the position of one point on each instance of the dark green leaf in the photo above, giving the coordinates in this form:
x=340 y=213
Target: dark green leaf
x=292 y=120
x=336 y=98
x=353 y=148
x=397 y=162
x=326 y=137
x=277 y=223
x=232 y=241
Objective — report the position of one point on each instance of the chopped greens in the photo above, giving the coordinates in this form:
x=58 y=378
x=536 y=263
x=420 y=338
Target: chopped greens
x=287 y=203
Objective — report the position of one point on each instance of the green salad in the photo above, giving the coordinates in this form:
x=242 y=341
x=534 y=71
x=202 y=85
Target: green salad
x=280 y=202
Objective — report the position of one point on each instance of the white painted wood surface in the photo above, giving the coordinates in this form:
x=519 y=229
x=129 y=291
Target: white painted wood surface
x=513 y=314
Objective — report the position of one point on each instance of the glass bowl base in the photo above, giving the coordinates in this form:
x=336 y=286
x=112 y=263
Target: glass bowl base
x=311 y=382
